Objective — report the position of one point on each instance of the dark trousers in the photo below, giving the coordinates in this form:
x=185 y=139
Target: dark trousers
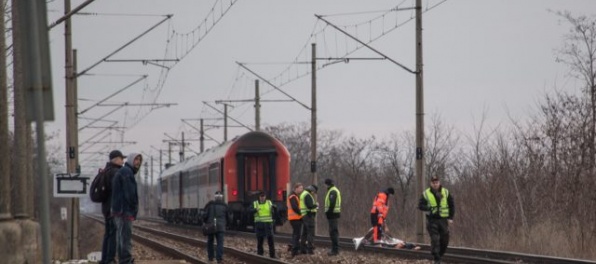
x=265 y=230
x=308 y=233
x=296 y=232
x=124 y=240
x=108 y=248
x=334 y=235
x=439 y=236
x=219 y=250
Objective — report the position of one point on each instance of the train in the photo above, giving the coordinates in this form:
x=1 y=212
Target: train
x=239 y=168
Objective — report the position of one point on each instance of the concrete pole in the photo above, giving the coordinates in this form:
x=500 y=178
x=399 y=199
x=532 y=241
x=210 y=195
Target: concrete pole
x=19 y=180
x=169 y=153
x=202 y=137
x=257 y=107
x=313 y=121
x=313 y=115
x=4 y=137
x=420 y=163
x=35 y=76
x=160 y=161
x=146 y=191
x=225 y=122
x=72 y=144
x=182 y=149
x=151 y=189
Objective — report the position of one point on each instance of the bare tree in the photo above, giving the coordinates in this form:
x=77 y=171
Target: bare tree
x=579 y=53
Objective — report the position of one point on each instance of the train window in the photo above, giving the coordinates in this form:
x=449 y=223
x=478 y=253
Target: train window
x=193 y=179
x=203 y=179
x=175 y=183
x=164 y=186
x=214 y=173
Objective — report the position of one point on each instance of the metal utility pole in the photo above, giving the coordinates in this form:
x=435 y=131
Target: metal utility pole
x=257 y=107
x=419 y=121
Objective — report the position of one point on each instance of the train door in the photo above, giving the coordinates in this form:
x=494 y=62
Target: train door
x=257 y=172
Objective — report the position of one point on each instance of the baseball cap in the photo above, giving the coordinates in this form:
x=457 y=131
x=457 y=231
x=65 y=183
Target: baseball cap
x=116 y=154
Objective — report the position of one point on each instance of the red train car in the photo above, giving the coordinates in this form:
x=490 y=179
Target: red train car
x=239 y=168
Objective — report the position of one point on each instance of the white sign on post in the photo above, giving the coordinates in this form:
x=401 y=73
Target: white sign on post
x=70 y=185
x=63 y=213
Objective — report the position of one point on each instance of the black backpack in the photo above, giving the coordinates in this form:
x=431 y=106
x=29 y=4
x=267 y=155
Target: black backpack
x=100 y=187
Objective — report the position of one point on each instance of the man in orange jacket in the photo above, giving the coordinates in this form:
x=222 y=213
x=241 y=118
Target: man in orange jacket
x=295 y=218
x=378 y=213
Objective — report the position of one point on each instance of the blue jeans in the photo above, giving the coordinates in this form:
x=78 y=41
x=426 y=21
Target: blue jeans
x=219 y=251
x=108 y=249
x=124 y=236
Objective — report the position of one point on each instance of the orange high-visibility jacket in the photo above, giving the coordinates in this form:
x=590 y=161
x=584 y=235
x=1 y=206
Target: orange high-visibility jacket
x=292 y=215
x=380 y=204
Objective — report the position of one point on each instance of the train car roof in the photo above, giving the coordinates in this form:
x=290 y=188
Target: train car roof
x=207 y=155
x=247 y=140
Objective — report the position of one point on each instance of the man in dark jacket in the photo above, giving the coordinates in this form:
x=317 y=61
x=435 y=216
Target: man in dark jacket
x=437 y=201
x=308 y=210
x=332 y=211
x=125 y=205
x=216 y=211
x=108 y=249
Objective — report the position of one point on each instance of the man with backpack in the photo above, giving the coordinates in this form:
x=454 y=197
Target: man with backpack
x=125 y=205
x=103 y=187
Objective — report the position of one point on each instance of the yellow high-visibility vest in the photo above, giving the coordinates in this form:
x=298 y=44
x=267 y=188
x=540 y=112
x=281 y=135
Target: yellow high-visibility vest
x=442 y=208
x=263 y=213
x=337 y=208
x=303 y=208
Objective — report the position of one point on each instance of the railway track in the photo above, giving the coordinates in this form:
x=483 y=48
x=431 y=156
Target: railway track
x=465 y=255
x=173 y=251
x=454 y=255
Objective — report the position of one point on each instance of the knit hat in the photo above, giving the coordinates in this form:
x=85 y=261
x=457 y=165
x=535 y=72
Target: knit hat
x=390 y=190
x=328 y=182
x=218 y=196
x=312 y=188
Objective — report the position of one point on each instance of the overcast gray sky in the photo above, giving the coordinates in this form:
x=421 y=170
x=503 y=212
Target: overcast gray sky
x=493 y=55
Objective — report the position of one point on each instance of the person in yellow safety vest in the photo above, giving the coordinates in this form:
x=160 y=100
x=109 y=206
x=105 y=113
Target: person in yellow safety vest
x=440 y=208
x=264 y=211
x=308 y=210
x=294 y=216
x=332 y=211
